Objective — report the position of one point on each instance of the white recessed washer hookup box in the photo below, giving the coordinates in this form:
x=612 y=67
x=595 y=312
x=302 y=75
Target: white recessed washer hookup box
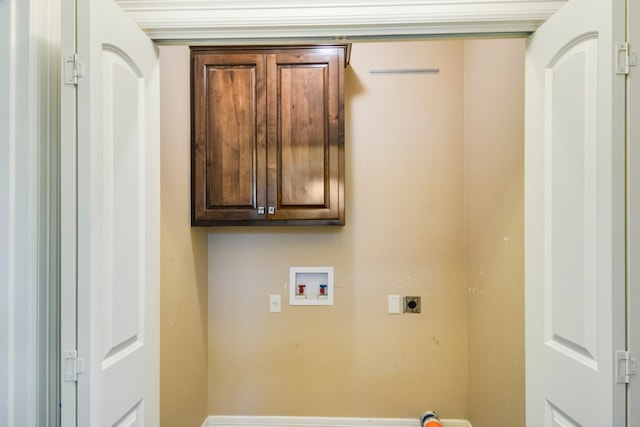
x=310 y=285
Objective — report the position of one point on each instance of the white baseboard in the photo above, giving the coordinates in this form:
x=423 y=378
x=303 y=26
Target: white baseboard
x=282 y=421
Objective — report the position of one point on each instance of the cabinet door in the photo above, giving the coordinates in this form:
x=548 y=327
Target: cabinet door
x=229 y=151
x=305 y=128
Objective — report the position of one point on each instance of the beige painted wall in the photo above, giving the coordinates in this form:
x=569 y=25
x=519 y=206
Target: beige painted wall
x=494 y=229
x=183 y=253
x=405 y=235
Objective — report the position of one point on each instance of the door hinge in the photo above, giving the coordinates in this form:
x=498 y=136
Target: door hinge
x=626 y=58
x=625 y=367
x=73 y=365
x=73 y=69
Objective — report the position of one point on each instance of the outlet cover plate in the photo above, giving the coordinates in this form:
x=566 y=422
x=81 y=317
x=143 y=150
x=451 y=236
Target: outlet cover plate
x=394 y=304
x=275 y=304
x=411 y=304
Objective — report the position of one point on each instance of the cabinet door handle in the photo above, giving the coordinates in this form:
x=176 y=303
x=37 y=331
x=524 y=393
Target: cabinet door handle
x=260 y=210
x=272 y=210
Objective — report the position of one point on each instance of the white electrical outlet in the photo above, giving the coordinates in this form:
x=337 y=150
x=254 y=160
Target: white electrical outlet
x=275 y=304
x=394 y=304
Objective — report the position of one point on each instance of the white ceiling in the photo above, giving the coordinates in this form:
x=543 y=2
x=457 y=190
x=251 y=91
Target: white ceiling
x=246 y=21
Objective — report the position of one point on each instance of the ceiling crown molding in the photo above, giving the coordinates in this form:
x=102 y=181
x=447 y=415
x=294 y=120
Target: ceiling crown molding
x=253 y=20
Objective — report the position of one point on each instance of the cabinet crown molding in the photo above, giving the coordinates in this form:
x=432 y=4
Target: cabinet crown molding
x=240 y=21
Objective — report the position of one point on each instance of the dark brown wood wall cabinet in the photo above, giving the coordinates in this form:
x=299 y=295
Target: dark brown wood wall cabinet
x=267 y=135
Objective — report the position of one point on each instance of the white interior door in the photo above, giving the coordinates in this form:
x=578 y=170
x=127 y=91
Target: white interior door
x=117 y=219
x=575 y=217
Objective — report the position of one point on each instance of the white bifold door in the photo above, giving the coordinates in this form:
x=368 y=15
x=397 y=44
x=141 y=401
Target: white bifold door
x=575 y=217
x=110 y=219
